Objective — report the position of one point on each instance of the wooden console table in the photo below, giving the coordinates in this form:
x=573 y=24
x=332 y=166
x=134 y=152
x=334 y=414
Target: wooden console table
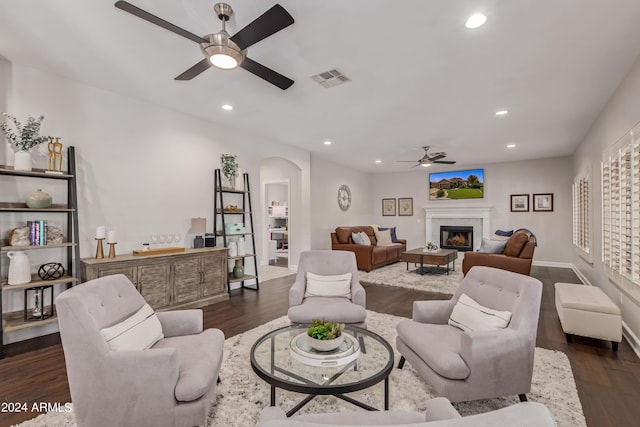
x=189 y=279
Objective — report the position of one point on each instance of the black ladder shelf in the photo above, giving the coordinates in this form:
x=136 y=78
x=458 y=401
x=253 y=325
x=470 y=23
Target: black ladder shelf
x=245 y=213
x=14 y=321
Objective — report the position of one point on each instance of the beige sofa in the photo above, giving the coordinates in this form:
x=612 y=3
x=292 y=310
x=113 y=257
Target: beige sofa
x=367 y=257
x=439 y=413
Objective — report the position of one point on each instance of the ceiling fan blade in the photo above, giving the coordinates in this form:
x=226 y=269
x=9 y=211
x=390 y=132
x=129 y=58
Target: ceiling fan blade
x=134 y=10
x=437 y=157
x=267 y=74
x=270 y=22
x=408 y=161
x=446 y=162
x=195 y=70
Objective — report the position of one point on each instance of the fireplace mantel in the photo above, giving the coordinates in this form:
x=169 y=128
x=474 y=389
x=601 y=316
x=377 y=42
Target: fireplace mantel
x=481 y=214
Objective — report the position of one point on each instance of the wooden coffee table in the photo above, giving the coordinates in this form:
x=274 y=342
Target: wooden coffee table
x=434 y=259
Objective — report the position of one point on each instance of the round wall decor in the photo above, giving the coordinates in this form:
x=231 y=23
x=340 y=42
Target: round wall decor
x=344 y=197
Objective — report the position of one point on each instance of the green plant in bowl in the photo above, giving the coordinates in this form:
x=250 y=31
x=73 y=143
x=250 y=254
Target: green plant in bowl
x=325 y=336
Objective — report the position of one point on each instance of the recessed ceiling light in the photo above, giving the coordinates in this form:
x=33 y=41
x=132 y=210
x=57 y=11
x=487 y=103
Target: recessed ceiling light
x=378 y=161
x=502 y=112
x=227 y=107
x=327 y=143
x=511 y=146
x=476 y=20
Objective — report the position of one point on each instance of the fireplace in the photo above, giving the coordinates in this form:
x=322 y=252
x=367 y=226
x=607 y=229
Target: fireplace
x=456 y=237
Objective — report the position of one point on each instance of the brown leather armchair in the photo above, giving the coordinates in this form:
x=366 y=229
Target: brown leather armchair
x=517 y=255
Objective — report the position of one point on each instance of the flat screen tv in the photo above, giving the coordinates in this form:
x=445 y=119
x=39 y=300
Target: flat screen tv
x=463 y=184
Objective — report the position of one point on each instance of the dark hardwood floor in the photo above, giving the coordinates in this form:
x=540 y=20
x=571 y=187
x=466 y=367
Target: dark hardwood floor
x=607 y=382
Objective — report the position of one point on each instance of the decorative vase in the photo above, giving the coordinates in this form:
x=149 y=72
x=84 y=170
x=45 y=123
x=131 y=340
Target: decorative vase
x=19 y=268
x=38 y=199
x=324 y=345
x=233 y=249
x=238 y=270
x=22 y=161
x=241 y=247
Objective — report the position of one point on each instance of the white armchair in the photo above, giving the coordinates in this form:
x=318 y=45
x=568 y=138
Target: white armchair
x=172 y=383
x=349 y=309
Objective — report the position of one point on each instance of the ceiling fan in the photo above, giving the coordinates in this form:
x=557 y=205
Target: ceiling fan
x=222 y=50
x=428 y=159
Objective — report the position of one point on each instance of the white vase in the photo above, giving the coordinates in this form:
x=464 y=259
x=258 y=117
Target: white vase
x=241 y=247
x=22 y=161
x=19 y=268
x=233 y=249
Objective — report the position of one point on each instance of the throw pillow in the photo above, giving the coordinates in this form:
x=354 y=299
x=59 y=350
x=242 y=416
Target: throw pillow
x=489 y=246
x=338 y=285
x=361 y=238
x=516 y=243
x=394 y=237
x=138 y=332
x=384 y=238
x=468 y=315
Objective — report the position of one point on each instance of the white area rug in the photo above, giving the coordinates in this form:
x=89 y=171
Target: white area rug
x=242 y=395
x=397 y=275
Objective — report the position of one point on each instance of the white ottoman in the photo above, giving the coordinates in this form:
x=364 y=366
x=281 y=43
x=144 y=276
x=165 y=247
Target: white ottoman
x=588 y=312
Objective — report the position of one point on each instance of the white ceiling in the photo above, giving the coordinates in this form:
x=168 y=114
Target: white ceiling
x=419 y=77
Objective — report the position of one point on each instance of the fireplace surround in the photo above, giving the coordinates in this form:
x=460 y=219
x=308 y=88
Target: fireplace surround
x=478 y=217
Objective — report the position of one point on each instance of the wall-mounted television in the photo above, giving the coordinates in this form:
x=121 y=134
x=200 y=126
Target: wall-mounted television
x=462 y=184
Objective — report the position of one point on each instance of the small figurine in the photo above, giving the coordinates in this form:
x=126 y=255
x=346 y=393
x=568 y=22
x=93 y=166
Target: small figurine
x=54 y=161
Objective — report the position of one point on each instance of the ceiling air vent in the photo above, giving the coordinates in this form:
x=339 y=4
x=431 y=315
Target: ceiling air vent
x=330 y=78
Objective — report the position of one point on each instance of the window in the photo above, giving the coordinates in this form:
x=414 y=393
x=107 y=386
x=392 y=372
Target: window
x=621 y=207
x=581 y=217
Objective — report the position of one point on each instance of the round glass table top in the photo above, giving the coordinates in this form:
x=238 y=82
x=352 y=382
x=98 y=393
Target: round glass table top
x=274 y=361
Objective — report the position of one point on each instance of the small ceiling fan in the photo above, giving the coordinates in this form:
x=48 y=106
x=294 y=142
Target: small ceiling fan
x=428 y=159
x=222 y=50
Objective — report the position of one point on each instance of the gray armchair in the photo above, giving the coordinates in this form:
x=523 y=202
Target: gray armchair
x=463 y=366
x=170 y=384
x=302 y=309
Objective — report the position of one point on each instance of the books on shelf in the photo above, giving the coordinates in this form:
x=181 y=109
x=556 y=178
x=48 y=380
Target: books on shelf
x=37 y=232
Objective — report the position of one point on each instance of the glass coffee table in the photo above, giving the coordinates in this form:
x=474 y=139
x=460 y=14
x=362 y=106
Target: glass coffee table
x=274 y=358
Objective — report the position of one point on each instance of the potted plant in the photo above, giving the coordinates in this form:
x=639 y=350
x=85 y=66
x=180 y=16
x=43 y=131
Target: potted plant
x=325 y=336
x=24 y=138
x=229 y=168
x=432 y=247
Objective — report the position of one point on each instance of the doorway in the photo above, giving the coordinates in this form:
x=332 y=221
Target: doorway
x=277 y=223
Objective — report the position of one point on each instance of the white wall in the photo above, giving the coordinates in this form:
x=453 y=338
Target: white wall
x=617 y=118
x=553 y=229
x=142 y=169
x=326 y=178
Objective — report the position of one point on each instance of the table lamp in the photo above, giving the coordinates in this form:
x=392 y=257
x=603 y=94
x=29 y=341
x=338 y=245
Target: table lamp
x=198 y=227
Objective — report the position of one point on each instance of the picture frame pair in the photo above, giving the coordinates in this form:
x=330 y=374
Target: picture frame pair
x=405 y=206
x=542 y=202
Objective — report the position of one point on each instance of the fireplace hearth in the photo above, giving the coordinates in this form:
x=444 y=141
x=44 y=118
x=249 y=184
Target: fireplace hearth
x=456 y=237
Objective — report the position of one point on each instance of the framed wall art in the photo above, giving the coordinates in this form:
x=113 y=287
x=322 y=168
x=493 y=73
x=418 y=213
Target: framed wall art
x=388 y=207
x=543 y=202
x=519 y=203
x=405 y=206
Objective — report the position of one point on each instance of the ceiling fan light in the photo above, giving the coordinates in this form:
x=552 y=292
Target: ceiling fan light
x=222 y=52
x=425 y=165
x=223 y=61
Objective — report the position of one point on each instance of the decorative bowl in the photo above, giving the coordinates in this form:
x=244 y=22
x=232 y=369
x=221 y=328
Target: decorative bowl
x=324 y=345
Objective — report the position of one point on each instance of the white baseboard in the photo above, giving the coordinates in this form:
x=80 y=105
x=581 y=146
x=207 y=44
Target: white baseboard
x=552 y=264
x=627 y=333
